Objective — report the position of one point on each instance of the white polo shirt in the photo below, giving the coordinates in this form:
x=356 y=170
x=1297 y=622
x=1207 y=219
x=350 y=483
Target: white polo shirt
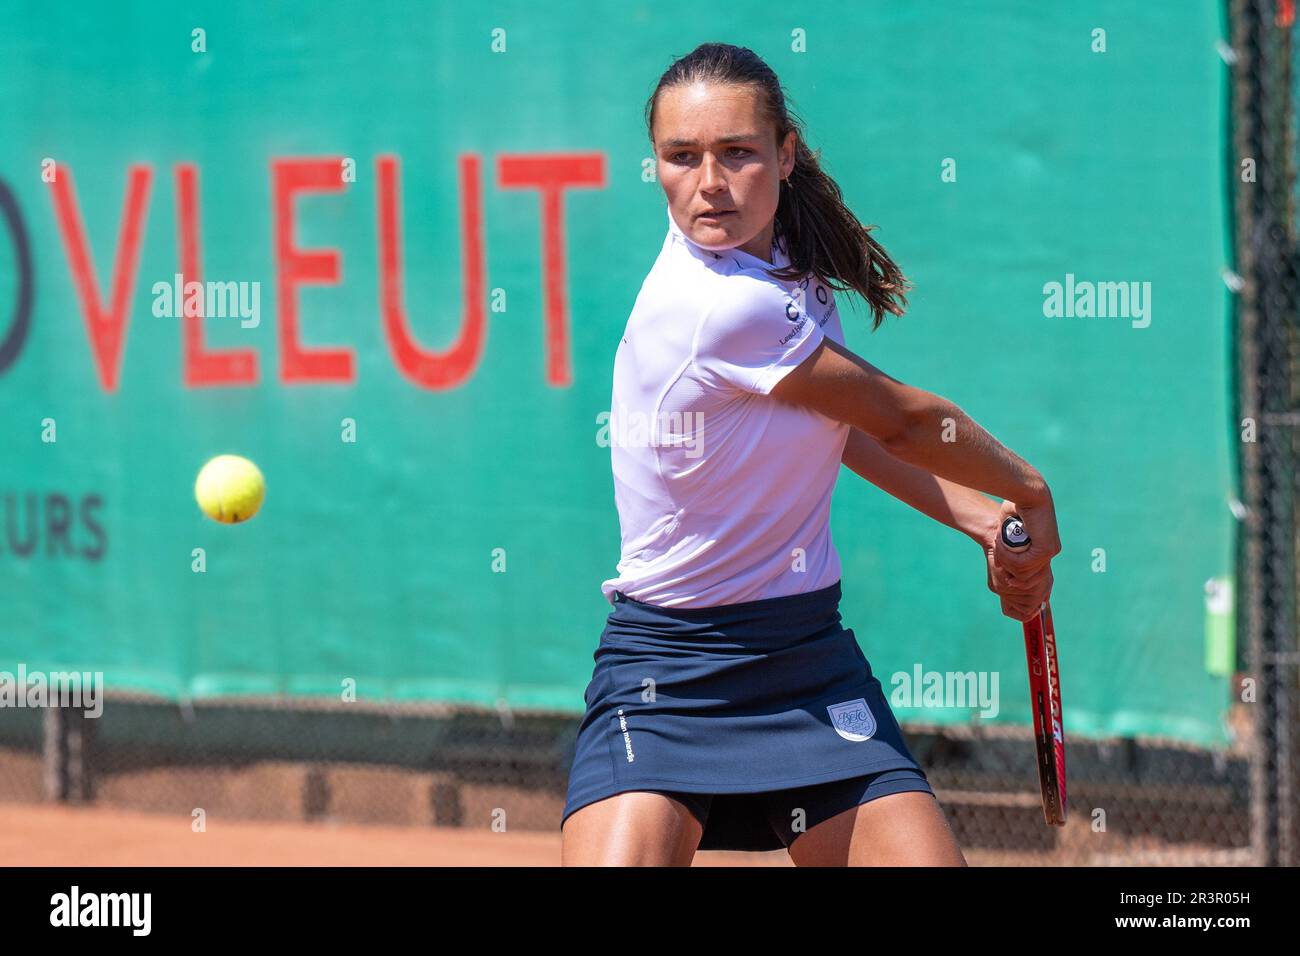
x=723 y=492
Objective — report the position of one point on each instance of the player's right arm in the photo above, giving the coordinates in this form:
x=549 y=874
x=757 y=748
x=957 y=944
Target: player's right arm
x=928 y=431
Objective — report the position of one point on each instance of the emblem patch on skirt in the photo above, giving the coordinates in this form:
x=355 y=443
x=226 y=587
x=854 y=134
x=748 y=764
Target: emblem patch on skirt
x=852 y=719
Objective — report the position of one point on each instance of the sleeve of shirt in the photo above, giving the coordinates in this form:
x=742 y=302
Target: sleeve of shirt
x=753 y=336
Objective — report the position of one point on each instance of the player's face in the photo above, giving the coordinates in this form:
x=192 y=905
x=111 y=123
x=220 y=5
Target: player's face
x=719 y=165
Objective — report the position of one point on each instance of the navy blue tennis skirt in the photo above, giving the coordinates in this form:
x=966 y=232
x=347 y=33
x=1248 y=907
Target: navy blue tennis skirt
x=729 y=707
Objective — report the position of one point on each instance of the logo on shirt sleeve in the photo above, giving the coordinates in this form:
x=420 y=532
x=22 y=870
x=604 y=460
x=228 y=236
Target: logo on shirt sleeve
x=823 y=297
x=793 y=332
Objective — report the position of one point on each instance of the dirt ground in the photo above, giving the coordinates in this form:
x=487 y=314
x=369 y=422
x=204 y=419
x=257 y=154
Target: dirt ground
x=45 y=835
x=67 y=836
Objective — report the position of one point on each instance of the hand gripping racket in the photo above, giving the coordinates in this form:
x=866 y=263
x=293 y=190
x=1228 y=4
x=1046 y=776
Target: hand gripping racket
x=1044 y=691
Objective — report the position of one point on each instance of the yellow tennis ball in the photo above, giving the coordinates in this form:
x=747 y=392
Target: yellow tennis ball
x=229 y=489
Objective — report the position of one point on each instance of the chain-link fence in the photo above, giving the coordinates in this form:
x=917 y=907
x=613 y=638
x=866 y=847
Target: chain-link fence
x=1263 y=180
x=1131 y=800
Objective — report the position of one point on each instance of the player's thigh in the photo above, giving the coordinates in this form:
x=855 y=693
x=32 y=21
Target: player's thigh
x=898 y=829
x=638 y=828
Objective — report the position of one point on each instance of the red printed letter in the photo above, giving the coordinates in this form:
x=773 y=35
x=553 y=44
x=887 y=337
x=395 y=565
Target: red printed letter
x=201 y=366
x=552 y=174
x=434 y=370
x=107 y=330
x=295 y=267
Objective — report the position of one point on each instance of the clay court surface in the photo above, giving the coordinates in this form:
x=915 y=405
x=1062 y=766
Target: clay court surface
x=45 y=835
x=62 y=836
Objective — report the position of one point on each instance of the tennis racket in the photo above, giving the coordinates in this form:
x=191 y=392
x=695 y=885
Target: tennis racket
x=1044 y=691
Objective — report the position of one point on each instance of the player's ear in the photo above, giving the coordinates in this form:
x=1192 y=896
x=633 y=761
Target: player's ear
x=788 y=152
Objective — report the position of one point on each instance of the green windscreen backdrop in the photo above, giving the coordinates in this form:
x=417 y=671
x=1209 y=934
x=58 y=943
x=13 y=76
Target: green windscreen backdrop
x=448 y=210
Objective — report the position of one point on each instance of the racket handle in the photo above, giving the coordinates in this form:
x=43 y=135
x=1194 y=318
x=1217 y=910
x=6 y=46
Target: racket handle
x=1014 y=535
x=1016 y=538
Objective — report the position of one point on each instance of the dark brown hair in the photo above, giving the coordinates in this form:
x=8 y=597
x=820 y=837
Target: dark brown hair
x=822 y=235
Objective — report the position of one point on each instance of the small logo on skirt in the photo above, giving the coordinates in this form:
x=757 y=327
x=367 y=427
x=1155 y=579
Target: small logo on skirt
x=853 y=719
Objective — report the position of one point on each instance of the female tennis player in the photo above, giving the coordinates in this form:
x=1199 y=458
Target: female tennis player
x=729 y=708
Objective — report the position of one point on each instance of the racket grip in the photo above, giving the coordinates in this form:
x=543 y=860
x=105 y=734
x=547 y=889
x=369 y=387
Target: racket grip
x=1014 y=535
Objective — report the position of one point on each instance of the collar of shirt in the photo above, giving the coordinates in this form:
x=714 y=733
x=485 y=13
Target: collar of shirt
x=739 y=255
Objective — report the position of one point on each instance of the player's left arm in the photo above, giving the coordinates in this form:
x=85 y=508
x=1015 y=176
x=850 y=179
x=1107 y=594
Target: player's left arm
x=963 y=509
